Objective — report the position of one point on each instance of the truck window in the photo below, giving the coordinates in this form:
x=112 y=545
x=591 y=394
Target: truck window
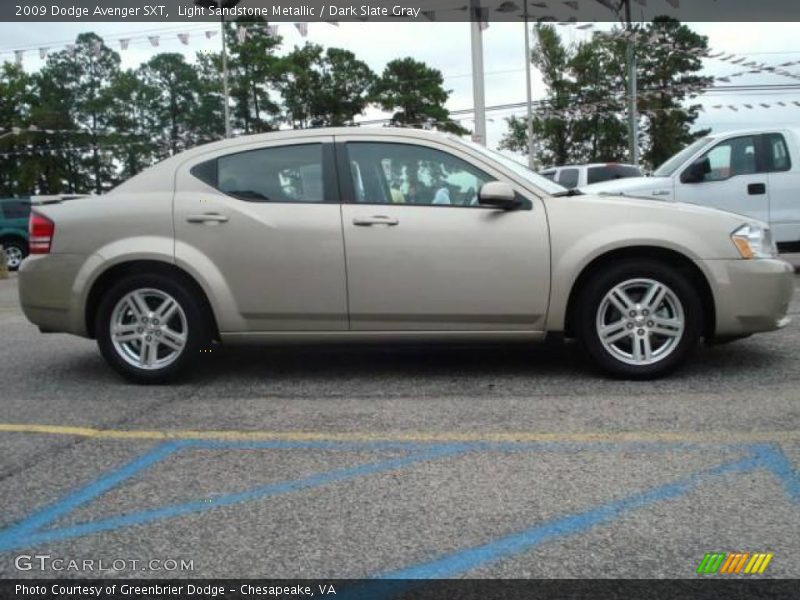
x=777 y=152
x=568 y=178
x=609 y=172
x=736 y=156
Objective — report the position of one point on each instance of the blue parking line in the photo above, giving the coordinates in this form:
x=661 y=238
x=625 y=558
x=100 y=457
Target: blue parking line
x=12 y=536
x=462 y=561
x=28 y=537
x=774 y=460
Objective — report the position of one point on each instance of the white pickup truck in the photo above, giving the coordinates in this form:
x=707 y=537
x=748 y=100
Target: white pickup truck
x=754 y=172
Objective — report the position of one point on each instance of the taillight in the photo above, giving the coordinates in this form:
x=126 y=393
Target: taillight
x=40 y=234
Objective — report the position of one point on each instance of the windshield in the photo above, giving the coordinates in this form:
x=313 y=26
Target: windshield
x=673 y=164
x=540 y=182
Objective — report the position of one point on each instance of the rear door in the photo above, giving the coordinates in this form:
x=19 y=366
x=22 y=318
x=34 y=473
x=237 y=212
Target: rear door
x=423 y=255
x=784 y=190
x=262 y=224
x=736 y=182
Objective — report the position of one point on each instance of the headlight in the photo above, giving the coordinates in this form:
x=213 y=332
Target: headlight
x=754 y=241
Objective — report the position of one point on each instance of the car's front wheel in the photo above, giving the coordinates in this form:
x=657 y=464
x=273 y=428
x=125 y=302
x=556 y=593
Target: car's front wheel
x=150 y=328
x=639 y=319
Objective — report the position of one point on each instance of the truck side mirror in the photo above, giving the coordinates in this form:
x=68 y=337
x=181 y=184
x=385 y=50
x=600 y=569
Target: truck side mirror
x=696 y=172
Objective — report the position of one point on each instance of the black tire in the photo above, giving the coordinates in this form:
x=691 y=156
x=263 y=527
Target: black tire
x=18 y=245
x=591 y=299
x=198 y=330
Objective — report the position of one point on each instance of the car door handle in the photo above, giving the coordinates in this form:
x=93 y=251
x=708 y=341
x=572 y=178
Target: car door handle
x=375 y=220
x=756 y=189
x=207 y=218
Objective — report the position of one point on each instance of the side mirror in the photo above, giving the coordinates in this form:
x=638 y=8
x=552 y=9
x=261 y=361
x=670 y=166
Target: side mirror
x=498 y=194
x=696 y=172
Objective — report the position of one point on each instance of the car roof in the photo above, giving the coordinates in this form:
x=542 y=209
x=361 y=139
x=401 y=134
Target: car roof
x=288 y=134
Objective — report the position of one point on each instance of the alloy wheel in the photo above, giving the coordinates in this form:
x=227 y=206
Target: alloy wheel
x=640 y=321
x=148 y=329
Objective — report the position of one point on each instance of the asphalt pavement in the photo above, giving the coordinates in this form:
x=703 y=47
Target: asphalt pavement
x=480 y=461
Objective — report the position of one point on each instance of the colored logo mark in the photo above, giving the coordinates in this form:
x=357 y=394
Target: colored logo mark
x=734 y=562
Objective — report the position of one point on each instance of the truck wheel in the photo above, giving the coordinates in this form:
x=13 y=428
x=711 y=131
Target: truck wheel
x=639 y=319
x=150 y=328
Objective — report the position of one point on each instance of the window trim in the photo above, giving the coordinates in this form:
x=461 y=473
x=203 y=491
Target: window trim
x=330 y=188
x=347 y=189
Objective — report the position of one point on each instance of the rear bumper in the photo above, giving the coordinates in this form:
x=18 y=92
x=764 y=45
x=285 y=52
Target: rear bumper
x=47 y=292
x=750 y=295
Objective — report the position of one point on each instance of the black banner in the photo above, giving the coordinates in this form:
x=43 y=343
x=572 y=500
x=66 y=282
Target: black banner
x=394 y=10
x=734 y=588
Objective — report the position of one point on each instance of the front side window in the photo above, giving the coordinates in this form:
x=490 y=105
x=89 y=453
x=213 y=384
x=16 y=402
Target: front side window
x=736 y=156
x=388 y=173
x=279 y=174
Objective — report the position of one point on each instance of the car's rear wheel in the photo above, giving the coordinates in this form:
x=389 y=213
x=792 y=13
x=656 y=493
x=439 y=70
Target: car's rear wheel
x=150 y=328
x=639 y=319
x=15 y=251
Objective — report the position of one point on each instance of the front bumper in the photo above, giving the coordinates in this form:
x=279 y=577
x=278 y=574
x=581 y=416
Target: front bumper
x=48 y=295
x=750 y=295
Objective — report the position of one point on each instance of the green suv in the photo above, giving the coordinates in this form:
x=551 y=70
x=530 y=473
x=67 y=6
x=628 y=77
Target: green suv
x=14 y=213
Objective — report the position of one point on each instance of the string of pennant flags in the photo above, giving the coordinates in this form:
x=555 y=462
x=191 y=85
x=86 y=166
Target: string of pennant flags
x=154 y=40
x=604 y=107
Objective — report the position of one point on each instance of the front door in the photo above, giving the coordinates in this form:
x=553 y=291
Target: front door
x=262 y=224
x=736 y=182
x=422 y=255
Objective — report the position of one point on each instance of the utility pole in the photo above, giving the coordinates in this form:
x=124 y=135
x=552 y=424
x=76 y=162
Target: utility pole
x=633 y=134
x=222 y=4
x=225 y=90
x=478 y=93
x=528 y=85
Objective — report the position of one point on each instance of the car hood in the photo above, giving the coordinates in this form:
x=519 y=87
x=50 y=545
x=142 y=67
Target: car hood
x=661 y=206
x=633 y=186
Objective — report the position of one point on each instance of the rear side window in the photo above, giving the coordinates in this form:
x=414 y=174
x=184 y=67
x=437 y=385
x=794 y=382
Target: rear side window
x=609 y=172
x=777 y=152
x=551 y=175
x=15 y=209
x=568 y=178
x=280 y=174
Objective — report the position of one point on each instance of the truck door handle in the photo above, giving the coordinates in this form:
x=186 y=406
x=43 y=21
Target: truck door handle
x=375 y=220
x=207 y=218
x=661 y=193
x=756 y=189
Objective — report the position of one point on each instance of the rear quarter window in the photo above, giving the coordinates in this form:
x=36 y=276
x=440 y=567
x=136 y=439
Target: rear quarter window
x=15 y=210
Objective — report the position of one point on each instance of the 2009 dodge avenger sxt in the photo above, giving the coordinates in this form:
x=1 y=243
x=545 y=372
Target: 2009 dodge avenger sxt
x=388 y=234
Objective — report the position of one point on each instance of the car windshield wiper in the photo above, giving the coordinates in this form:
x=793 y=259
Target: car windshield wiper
x=247 y=194
x=566 y=193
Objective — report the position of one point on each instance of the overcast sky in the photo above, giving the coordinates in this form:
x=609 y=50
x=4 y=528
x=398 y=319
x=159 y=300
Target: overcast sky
x=446 y=46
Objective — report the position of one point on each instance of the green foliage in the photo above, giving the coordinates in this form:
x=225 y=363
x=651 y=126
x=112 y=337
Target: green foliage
x=104 y=124
x=415 y=93
x=589 y=81
x=324 y=87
